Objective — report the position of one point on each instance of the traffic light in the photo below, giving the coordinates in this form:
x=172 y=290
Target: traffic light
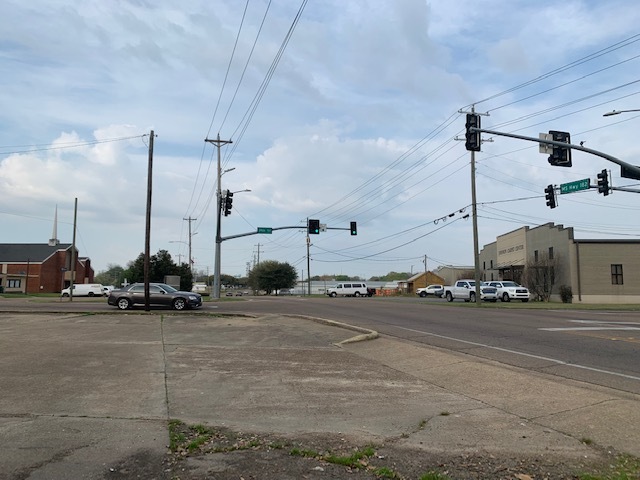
x=603 y=182
x=354 y=228
x=561 y=156
x=228 y=202
x=472 y=138
x=550 y=196
x=314 y=226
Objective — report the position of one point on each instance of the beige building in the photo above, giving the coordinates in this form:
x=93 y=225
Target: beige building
x=596 y=271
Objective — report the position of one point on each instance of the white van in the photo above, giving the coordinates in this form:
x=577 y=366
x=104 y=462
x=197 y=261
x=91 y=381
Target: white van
x=350 y=289
x=84 y=290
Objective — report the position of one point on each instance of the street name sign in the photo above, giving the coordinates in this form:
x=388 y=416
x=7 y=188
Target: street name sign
x=574 y=186
x=265 y=230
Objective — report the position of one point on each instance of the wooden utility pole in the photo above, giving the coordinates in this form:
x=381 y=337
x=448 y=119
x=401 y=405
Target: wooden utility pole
x=147 y=233
x=72 y=268
x=190 y=258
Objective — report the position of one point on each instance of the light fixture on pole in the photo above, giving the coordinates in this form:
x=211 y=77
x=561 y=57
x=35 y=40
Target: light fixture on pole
x=617 y=112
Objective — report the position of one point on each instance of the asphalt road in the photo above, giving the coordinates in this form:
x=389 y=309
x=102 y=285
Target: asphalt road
x=598 y=347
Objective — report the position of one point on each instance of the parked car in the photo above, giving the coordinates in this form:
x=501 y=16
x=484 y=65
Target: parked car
x=159 y=294
x=466 y=290
x=84 y=290
x=508 y=290
x=436 y=290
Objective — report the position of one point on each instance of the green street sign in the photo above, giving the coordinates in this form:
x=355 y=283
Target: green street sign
x=574 y=186
x=265 y=230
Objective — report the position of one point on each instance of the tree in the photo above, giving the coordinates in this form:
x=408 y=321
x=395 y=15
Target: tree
x=271 y=275
x=113 y=275
x=160 y=265
x=540 y=275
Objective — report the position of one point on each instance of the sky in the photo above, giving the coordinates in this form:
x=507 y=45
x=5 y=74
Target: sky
x=337 y=111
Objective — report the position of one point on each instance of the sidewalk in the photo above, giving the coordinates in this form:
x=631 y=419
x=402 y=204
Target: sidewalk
x=82 y=394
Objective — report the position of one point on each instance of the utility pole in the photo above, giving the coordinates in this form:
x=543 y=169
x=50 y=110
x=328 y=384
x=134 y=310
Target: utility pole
x=216 y=274
x=308 y=261
x=72 y=268
x=147 y=231
x=474 y=210
x=190 y=258
x=426 y=280
x=258 y=261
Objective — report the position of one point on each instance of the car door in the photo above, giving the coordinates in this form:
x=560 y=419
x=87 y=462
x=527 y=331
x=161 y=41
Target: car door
x=158 y=296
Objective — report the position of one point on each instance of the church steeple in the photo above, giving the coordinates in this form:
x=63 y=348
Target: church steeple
x=53 y=241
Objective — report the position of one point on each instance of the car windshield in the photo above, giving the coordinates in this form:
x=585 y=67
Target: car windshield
x=168 y=288
x=510 y=284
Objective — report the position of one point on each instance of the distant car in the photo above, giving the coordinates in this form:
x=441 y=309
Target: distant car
x=159 y=294
x=436 y=290
x=229 y=294
x=84 y=290
x=238 y=294
x=508 y=290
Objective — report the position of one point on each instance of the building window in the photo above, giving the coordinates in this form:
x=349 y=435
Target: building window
x=491 y=264
x=616 y=275
x=484 y=265
x=13 y=283
x=535 y=256
x=550 y=253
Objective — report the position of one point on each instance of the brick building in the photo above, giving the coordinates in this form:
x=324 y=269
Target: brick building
x=40 y=267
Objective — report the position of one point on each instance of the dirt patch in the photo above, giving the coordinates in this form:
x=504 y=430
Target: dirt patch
x=198 y=452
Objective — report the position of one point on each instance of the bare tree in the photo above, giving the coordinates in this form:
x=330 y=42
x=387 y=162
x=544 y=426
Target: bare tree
x=540 y=275
x=465 y=274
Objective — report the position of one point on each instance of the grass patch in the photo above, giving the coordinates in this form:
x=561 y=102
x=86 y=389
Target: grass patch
x=357 y=459
x=384 y=472
x=626 y=467
x=434 y=476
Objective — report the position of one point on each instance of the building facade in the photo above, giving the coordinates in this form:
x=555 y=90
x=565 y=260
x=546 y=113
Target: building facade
x=41 y=268
x=596 y=271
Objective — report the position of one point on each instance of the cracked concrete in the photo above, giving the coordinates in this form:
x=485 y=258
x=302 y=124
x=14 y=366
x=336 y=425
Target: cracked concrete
x=82 y=393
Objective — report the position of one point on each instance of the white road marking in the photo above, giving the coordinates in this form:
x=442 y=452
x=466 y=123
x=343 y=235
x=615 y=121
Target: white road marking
x=524 y=354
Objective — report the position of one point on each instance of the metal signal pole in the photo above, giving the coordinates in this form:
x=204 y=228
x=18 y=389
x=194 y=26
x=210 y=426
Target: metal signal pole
x=216 y=274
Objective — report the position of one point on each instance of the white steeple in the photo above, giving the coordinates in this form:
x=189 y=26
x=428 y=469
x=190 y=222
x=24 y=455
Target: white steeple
x=53 y=241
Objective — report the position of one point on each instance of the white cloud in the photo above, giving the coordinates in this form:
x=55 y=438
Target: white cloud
x=359 y=84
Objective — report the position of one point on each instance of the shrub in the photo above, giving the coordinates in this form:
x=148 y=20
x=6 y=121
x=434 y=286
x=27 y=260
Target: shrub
x=566 y=295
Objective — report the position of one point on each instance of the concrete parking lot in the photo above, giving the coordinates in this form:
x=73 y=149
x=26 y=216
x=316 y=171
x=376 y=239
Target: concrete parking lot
x=84 y=394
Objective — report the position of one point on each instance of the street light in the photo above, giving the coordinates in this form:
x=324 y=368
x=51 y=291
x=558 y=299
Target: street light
x=617 y=112
x=188 y=244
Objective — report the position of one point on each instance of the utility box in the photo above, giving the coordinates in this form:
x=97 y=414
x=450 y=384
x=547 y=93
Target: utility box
x=173 y=280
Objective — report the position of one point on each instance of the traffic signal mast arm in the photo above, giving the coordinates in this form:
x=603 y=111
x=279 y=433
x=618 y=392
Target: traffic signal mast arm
x=632 y=169
x=222 y=239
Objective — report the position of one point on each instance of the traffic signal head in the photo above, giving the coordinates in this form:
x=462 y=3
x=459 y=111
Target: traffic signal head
x=354 y=228
x=228 y=203
x=561 y=156
x=314 y=226
x=550 y=196
x=603 y=182
x=472 y=138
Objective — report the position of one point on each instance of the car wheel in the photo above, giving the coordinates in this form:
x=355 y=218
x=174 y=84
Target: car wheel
x=357 y=294
x=91 y=294
x=505 y=297
x=423 y=294
x=472 y=297
x=179 y=304
x=124 y=303
x=65 y=294
x=333 y=294
x=449 y=297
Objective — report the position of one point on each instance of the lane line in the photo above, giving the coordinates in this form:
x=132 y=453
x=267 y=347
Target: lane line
x=524 y=354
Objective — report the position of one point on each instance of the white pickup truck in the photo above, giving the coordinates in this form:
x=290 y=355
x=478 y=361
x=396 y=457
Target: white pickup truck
x=466 y=290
